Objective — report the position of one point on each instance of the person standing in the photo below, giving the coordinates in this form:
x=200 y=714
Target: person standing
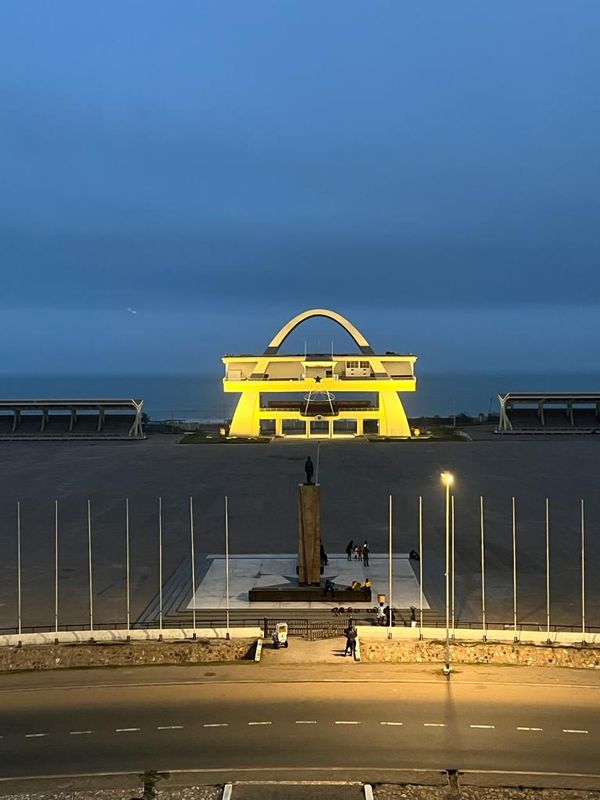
x=351 y=634
x=349 y=549
x=365 y=550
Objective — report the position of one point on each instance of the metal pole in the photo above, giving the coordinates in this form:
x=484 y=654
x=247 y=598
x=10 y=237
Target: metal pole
x=452 y=571
x=420 y=567
x=127 y=571
x=390 y=568
x=89 y=520
x=193 y=566
x=582 y=571
x=447 y=575
x=318 y=459
x=227 y=566
x=160 y=570
x=548 y=570
x=514 y=551
x=19 y=626
x=482 y=568
x=56 y=571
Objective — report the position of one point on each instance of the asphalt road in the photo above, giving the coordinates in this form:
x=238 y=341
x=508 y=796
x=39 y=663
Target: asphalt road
x=242 y=723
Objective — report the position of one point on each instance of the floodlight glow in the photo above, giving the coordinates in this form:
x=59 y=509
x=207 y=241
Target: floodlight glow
x=447 y=478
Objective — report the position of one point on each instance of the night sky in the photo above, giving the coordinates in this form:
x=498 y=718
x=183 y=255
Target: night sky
x=430 y=169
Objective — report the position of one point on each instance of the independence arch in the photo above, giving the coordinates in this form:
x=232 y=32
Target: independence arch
x=316 y=381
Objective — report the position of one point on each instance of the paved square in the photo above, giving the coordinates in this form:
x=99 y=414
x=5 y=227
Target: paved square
x=249 y=571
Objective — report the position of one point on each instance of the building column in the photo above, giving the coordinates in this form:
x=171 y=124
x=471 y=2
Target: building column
x=278 y=427
x=360 y=427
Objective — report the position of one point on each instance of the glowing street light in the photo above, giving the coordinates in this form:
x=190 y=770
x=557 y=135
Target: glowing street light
x=447 y=480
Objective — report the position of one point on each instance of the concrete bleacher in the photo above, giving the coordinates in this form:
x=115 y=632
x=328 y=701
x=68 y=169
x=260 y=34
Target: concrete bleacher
x=549 y=413
x=71 y=419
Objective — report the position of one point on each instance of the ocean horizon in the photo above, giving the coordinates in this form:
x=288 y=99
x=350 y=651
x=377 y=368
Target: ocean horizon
x=199 y=397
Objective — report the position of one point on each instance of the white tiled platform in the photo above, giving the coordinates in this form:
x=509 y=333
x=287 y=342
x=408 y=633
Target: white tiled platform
x=248 y=571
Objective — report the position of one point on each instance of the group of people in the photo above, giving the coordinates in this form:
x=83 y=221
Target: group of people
x=360 y=552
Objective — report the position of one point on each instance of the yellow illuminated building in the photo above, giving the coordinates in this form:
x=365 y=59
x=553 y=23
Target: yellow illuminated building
x=319 y=380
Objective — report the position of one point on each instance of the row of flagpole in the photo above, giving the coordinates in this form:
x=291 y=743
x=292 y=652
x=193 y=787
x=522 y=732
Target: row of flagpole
x=450 y=566
x=127 y=569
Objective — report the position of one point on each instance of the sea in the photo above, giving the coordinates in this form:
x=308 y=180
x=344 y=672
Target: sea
x=200 y=397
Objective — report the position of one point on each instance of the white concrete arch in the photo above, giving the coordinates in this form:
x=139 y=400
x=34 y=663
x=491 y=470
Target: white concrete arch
x=285 y=331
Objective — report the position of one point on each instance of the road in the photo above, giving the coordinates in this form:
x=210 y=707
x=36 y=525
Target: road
x=243 y=721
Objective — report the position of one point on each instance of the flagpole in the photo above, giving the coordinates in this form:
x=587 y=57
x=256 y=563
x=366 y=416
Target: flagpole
x=227 y=566
x=420 y=567
x=193 y=566
x=482 y=568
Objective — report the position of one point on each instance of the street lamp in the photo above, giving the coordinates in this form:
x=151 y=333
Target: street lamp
x=447 y=480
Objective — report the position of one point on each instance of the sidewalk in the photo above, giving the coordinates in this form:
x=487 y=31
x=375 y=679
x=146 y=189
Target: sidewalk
x=323 y=651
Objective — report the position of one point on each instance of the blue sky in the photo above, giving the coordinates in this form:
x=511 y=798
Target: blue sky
x=429 y=169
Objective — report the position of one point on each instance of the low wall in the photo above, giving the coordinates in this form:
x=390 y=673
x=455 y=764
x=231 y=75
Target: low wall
x=134 y=635
x=121 y=654
x=411 y=651
x=376 y=632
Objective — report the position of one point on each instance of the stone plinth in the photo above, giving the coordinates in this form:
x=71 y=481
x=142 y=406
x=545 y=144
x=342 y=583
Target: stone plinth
x=309 y=534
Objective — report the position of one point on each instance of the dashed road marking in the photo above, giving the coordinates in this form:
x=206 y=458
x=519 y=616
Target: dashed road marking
x=79 y=733
x=391 y=723
x=347 y=722
x=216 y=725
x=529 y=729
x=259 y=723
x=126 y=730
x=573 y=730
x=169 y=727
x=486 y=727
x=306 y=722
x=35 y=735
x=434 y=724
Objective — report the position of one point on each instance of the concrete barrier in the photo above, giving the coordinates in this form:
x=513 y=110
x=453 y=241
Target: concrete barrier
x=375 y=632
x=135 y=635
x=259 y=647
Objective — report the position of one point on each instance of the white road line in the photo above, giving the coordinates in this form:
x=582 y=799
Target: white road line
x=79 y=733
x=434 y=724
x=169 y=727
x=35 y=735
x=216 y=725
x=259 y=723
x=347 y=722
x=529 y=729
x=306 y=722
x=482 y=726
x=391 y=723
x=573 y=730
x=126 y=730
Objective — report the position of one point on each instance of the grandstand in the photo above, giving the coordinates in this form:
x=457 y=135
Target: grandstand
x=71 y=419
x=549 y=412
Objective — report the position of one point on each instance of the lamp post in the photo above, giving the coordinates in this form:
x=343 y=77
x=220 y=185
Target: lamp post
x=447 y=480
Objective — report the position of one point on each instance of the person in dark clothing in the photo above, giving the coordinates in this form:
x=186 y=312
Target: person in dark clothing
x=365 y=554
x=350 y=549
x=309 y=469
x=324 y=558
x=329 y=588
x=351 y=633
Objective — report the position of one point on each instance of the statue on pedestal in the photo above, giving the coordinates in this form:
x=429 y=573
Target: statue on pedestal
x=309 y=469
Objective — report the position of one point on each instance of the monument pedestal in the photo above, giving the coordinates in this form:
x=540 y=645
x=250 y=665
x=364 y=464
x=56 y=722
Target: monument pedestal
x=309 y=534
